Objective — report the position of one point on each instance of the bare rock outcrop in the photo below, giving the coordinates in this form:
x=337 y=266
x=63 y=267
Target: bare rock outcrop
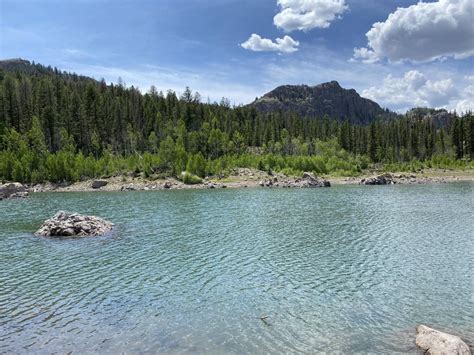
x=435 y=342
x=13 y=190
x=64 y=224
x=320 y=100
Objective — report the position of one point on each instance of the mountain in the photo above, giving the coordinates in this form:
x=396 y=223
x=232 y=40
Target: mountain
x=22 y=66
x=324 y=99
x=14 y=63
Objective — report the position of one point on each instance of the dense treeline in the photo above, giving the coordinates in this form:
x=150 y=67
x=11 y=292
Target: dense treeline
x=60 y=126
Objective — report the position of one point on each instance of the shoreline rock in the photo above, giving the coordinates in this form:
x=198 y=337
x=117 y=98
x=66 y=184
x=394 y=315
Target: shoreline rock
x=13 y=190
x=97 y=184
x=435 y=342
x=64 y=224
x=307 y=181
x=385 y=179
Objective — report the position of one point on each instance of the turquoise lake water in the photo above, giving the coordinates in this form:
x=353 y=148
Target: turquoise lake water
x=348 y=269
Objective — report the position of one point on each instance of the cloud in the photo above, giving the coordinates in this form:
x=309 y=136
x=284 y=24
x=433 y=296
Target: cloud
x=464 y=106
x=258 y=44
x=415 y=90
x=76 y=53
x=421 y=33
x=364 y=55
x=304 y=15
x=466 y=102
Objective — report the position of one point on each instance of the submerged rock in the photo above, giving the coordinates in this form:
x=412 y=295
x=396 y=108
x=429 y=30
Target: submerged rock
x=435 y=342
x=13 y=190
x=97 y=184
x=73 y=224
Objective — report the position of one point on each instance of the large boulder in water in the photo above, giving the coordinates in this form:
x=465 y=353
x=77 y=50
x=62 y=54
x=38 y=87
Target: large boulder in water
x=13 y=190
x=435 y=342
x=73 y=224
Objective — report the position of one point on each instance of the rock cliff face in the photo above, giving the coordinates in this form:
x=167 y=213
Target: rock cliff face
x=320 y=100
x=439 y=117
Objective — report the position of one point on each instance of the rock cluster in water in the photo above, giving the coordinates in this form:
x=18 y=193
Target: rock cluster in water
x=378 y=180
x=73 y=224
x=435 y=342
x=13 y=190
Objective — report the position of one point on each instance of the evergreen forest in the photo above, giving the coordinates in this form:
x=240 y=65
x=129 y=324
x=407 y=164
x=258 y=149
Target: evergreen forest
x=62 y=127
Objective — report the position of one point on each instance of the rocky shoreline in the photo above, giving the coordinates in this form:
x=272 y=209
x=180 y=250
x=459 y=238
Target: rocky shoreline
x=247 y=178
x=242 y=178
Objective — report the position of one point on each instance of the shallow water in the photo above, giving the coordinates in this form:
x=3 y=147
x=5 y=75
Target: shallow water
x=350 y=268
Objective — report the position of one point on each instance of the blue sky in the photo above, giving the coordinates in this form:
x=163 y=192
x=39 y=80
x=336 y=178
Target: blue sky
x=201 y=43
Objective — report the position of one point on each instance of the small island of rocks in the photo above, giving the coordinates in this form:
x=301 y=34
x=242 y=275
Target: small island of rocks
x=64 y=224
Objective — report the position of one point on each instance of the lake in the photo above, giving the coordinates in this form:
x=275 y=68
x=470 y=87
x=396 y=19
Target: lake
x=348 y=268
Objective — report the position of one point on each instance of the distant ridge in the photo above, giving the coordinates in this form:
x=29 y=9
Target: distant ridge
x=324 y=99
x=35 y=69
x=14 y=64
x=15 y=61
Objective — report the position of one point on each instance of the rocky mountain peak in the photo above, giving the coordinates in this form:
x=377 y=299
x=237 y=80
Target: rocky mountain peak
x=329 y=85
x=320 y=100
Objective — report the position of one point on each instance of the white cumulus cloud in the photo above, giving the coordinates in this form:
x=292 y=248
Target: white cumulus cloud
x=422 y=32
x=258 y=44
x=466 y=102
x=413 y=89
x=365 y=55
x=304 y=15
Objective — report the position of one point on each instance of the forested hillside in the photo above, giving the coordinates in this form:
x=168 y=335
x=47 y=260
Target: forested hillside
x=60 y=126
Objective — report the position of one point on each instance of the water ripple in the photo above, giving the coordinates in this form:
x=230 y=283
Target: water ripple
x=344 y=269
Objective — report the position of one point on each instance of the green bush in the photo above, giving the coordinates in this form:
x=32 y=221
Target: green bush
x=292 y=172
x=190 y=179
